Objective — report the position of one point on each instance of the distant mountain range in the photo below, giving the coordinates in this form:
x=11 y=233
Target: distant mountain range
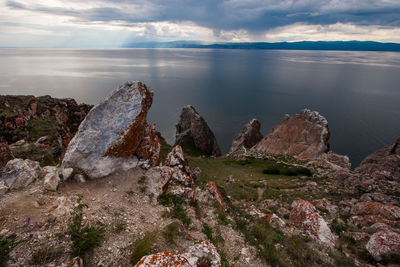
x=306 y=45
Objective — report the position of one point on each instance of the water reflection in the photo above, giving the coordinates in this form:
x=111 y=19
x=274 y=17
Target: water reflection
x=358 y=92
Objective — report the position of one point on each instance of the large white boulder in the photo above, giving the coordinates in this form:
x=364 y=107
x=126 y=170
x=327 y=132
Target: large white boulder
x=115 y=134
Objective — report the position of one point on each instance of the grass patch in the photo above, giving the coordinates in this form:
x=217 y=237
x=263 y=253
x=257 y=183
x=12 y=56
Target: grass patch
x=171 y=232
x=85 y=237
x=338 y=227
x=178 y=210
x=142 y=247
x=7 y=243
x=223 y=217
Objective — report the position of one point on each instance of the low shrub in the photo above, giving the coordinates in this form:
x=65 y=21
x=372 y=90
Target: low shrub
x=85 y=237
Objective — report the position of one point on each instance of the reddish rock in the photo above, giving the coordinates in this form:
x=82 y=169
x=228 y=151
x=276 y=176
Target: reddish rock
x=389 y=212
x=5 y=155
x=75 y=262
x=19 y=122
x=381 y=243
x=248 y=137
x=175 y=158
x=193 y=133
x=383 y=164
x=366 y=220
x=304 y=135
x=212 y=187
x=188 y=258
x=303 y=216
x=150 y=147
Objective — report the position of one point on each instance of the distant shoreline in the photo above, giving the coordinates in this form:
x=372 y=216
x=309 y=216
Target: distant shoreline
x=367 y=46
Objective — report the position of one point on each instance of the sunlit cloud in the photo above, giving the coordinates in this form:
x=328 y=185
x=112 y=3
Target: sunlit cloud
x=112 y=23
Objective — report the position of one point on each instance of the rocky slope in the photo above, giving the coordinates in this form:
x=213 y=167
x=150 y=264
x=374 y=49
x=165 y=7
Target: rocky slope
x=39 y=127
x=255 y=207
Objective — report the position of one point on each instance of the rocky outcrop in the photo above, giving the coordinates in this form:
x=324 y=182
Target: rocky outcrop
x=304 y=135
x=383 y=243
x=304 y=216
x=5 y=155
x=29 y=118
x=175 y=170
x=383 y=164
x=204 y=251
x=19 y=173
x=248 y=137
x=389 y=212
x=115 y=135
x=194 y=135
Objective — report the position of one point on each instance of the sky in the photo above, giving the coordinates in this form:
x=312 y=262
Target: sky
x=114 y=23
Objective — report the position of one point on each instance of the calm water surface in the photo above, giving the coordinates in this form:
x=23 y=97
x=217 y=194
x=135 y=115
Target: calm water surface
x=358 y=92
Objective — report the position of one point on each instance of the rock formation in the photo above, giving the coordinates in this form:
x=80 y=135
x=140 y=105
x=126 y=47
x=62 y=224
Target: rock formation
x=304 y=217
x=194 y=135
x=192 y=257
x=383 y=164
x=384 y=243
x=176 y=170
x=248 y=137
x=304 y=135
x=115 y=134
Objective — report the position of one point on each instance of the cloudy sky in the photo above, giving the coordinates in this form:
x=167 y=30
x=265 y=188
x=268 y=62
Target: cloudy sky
x=113 y=23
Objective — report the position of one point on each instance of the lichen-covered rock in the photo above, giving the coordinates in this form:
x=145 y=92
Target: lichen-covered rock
x=51 y=178
x=304 y=216
x=304 y=135
x=30 y=117
x=387 y=211
x=248 y=137
x=5 y=155
x=115 y=134
x=191 y=258
x=19 y=173
x=385 y=242
x=213 y=188
x=384 y=164
x=194 y=135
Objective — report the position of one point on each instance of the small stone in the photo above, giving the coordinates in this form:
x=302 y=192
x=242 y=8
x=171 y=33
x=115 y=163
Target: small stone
x=51 y=178
x=67 y=173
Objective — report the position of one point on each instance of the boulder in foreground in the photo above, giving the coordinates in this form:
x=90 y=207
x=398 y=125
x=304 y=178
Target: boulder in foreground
x=383 y=243
x=304 y=135
x=303 y=216
x=194 y=135
x=115 y=135
x=248 y=137
x=204 y=251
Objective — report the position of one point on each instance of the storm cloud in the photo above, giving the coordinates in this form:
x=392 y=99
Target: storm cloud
x=246 y=19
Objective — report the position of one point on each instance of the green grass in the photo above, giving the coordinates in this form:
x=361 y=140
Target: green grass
x=171 y=232
x=85 y=237
x=143 y=246
x=178 y=209
x=7 y=244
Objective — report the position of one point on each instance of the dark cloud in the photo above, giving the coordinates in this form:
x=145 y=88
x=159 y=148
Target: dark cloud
x=250 y=15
